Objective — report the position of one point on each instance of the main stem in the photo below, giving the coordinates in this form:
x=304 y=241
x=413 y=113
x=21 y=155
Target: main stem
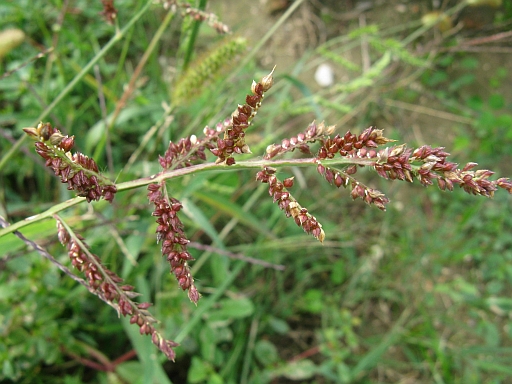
x=165 y=175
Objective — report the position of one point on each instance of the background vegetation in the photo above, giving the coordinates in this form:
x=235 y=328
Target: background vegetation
x=418 y=294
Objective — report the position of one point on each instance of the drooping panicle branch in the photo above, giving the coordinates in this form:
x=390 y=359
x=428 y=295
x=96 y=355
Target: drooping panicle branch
x=301 y=142
x=426 y=164
x=109 y=287
x=234 y=135
x=174 y=241
x=358 y=190
x=429 y=164
x=77 y=170
x=287 y=203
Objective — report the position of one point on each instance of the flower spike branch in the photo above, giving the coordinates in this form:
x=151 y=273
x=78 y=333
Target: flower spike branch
x=108 y=286
x=426 y=164
x=301 y=142
x=174 y=241
x=287 y=203
x=79 y=171
x=234 y=135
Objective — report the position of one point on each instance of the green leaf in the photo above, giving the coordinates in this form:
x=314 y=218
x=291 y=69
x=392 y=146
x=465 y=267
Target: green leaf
x=134 y=244
x=496 y=101
x=490 y=366
x=312 y=301
x=490 y=333
x=445 y=61
x=238 y=308
x=7 y=369
x=372 y=29
x=198 y=371
x=505 y=120
x=266 y=352
x=278 y=325
x=497 y=80
x=199 y=218
x=338 y=273
x=338 y=59
x=485 y=123
x=36 y=231
x=152 y=371
x=367 y=79
x=337 y=106
x=96 y=137
x=205 y=305
x=469 y=63
x=129 y=370
x=208 y=342
x=436 y=78
x=215 y=378
x=475 y=102
x=373 y=357
x=466 y=79
x=232 y=309
x=308 y=95
x=503 y=303
x=220 y=203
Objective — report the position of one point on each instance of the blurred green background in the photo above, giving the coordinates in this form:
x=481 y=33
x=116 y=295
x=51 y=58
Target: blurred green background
x=417 y=294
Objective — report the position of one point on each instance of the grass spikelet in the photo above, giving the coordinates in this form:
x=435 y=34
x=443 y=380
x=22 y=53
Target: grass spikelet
x=206 y=68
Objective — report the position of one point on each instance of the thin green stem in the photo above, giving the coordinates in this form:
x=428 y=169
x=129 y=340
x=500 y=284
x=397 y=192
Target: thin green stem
x=41 y=216
x=253 y=334
x=192 y=38
x=118 y=36
x=136 y=73
x=165 y=175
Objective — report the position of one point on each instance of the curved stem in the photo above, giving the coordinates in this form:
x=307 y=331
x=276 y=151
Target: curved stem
x=165 y=175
